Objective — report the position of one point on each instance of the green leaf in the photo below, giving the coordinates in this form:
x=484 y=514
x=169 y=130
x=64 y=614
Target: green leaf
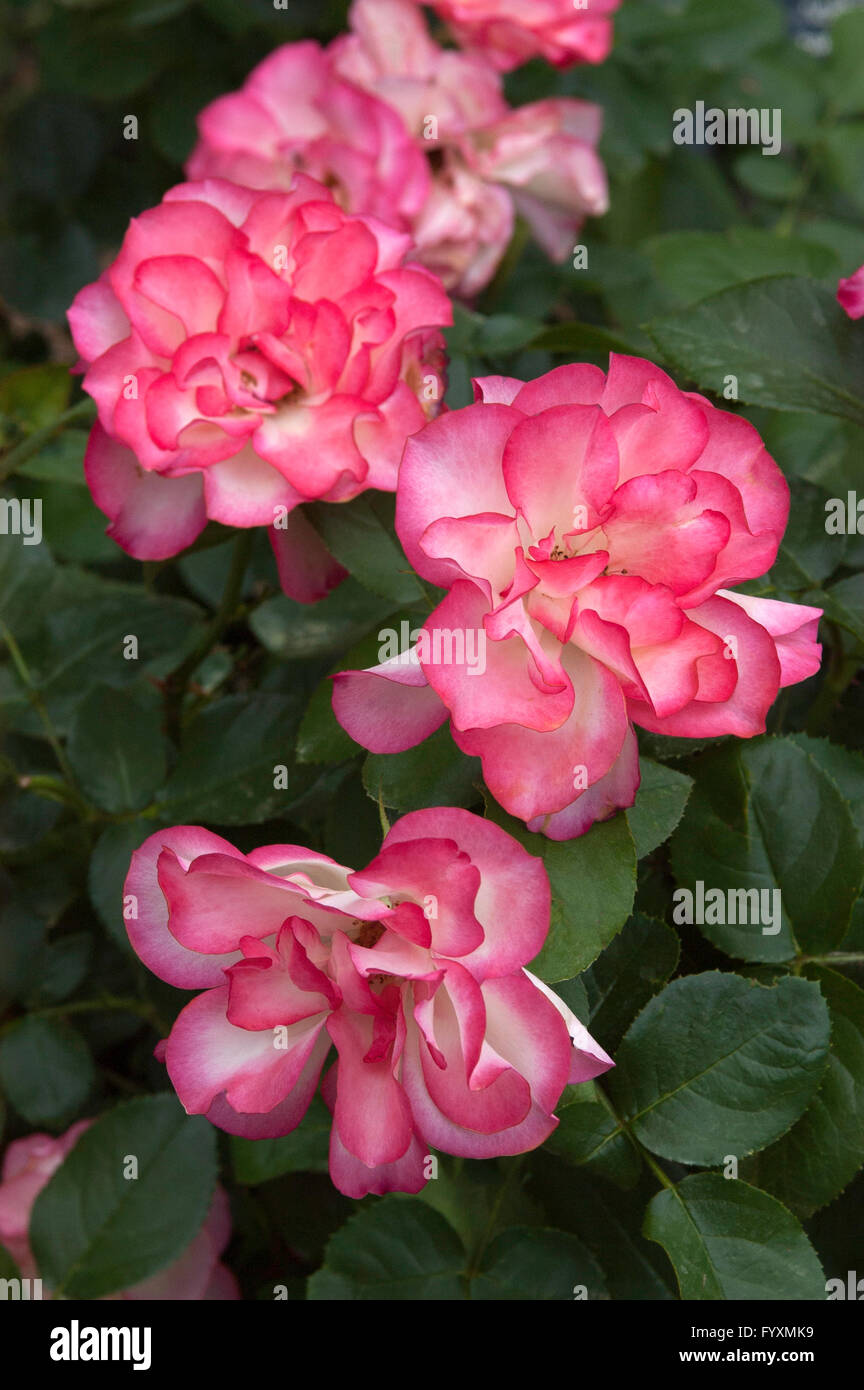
x=693 y=265
x=41 y=272
x=96 y=1229
x=844 y=604
x=588 y=1135
x=61 y=460
x=298 y=631
x=786 y=339
x=435 y=773
x=321 y=738
x=71 y=525
x=845 y=767
x=765 y=818
x=659 y=805
x=305 y=1150
x=845 y=63
x=355 y=533
x=778 y=180
x=114 y=769
x=843 y=153
x=76 y=632
x=230 y=760
x=46 y=1070
x=107 y=870
x=397 y=1250
x=820 y=1155
x=34 y=396
x=67 y=42
x=528 y=1263
x=593 y=881
x=608 y=1221
x=696 y=35
x=716 y=1065
x=61 y=967
x=627 y=974
x=730 y=1241
x=808 y=555
x=54 y=147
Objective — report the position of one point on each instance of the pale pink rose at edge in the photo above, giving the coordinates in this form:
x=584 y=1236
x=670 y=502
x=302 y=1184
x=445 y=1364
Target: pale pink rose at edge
x=196 y=1274
x=850 y=294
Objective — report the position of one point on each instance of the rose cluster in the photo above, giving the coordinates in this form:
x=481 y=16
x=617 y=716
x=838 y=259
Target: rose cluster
x=419 y=135
x=413 y=969
x=271 y=335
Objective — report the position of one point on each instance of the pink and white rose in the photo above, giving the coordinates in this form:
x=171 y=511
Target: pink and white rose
x=249 y=352
x=509 y=32
x=540 y=160
x=412 y=968
x=296 y=113
x=589 y=551
x=416 y=134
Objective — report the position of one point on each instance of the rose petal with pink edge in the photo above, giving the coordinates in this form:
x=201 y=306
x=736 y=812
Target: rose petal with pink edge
x=372 y=1114
x=206 y=1056
x=794 y=627
x=307 y=570
x=388 y=708
x=422 y=867
x=434 y=482
x=508 y=875
x=756 y=689
x=221 y=897
x=148 y=928
x=354 y=1179
x=597 y=803
x=554 y=462
x=532 y=773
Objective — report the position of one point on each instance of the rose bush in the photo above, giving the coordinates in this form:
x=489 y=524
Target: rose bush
x=568 y=614
x=249 y=352
x=413 y=968
x=590 y=549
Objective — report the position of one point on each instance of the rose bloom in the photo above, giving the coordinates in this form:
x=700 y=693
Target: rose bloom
x=249 y=352
x=587 y=554
x=295 y=112
x=850 y=294
x=412 y=968
x=197 y=1274
x=509 y=32
x=540 y=160
x=416 y=134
